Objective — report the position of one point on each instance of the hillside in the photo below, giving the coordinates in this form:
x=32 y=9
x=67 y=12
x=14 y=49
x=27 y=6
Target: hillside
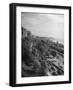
x=41 y=56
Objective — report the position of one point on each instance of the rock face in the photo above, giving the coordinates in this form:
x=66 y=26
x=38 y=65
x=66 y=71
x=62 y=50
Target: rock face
x=41 y=56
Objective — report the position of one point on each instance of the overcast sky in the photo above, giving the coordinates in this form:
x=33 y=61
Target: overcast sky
x=45 y=25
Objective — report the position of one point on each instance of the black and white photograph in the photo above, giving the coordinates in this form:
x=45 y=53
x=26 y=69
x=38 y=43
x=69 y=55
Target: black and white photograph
x=42 y=44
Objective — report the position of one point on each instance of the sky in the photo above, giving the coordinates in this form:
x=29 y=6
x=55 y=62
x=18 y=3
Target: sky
x=44 y=25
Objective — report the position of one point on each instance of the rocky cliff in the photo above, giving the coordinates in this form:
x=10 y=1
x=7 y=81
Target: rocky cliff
x=41 y=56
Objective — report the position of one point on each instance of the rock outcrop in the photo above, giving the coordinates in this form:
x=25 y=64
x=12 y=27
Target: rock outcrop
x=41 y=56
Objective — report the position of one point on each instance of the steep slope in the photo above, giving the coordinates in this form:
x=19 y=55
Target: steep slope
x=41 y=56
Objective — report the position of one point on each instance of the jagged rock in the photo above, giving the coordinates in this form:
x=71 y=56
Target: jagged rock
x=41 y=56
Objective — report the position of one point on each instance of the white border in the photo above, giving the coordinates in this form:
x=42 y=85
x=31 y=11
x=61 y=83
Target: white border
x=65 y=77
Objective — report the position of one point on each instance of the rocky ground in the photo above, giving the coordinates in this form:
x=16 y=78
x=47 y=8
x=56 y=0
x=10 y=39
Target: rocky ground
x=41 y=56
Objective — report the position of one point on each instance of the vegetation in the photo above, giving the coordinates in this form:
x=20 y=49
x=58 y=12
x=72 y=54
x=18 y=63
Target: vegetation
x=41 y=56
